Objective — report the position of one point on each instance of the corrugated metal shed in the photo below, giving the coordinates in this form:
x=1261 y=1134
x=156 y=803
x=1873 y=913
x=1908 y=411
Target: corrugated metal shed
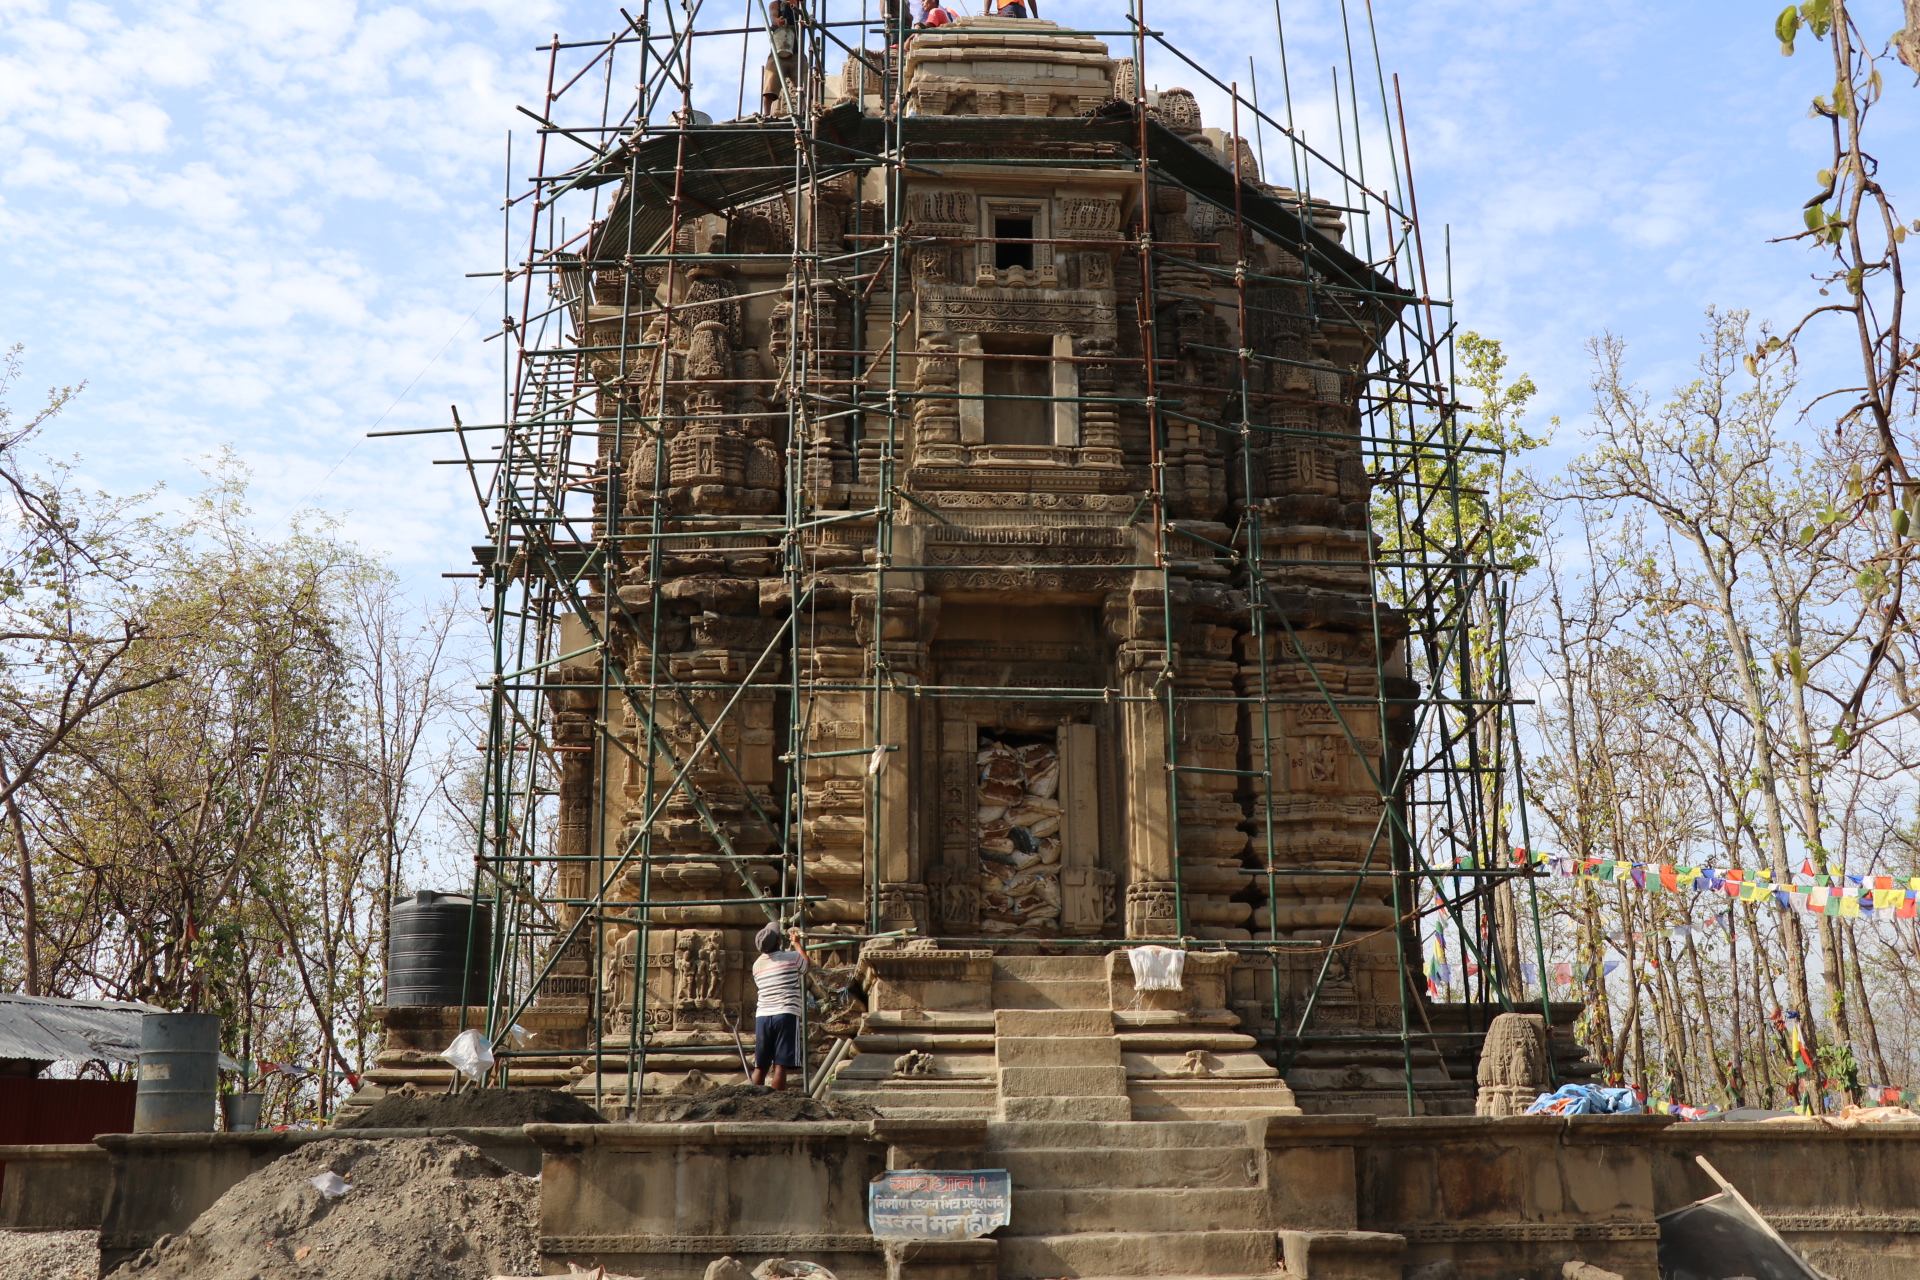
x=45 y=1029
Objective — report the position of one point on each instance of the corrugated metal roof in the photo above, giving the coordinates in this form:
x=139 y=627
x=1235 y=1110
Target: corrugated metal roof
x=46 y=1029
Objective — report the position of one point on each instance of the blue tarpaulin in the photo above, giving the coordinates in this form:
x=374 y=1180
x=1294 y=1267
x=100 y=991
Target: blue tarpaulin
x=1586 y=1100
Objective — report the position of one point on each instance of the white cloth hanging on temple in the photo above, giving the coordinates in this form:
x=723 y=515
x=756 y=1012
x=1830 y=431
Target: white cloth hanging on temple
x=1157 y=968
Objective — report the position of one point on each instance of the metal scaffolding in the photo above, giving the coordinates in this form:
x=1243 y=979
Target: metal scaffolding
x=618 y=173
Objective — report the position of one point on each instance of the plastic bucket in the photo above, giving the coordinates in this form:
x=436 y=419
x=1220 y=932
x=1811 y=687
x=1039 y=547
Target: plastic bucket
x=179 y=1073
x=241 y=1111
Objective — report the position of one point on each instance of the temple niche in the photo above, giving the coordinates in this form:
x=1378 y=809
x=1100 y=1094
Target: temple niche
x=1083 y=736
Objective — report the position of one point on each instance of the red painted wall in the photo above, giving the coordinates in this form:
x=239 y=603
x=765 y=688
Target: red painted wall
x=48 y=1111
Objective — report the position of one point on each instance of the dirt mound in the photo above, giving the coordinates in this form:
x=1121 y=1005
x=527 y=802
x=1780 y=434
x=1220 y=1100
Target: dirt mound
x=477 y=1109
x=50 y=1255
x=737 y=1102
x=413 y=1209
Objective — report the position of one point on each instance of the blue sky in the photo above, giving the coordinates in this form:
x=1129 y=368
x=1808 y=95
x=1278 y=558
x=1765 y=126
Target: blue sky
x=248 y=225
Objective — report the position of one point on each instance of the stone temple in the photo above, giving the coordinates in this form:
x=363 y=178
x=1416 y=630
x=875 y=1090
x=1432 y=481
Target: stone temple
x=1052 y=640
x=980 y=571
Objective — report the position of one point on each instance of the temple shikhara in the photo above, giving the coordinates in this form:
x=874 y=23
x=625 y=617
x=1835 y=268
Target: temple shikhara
x=987 y=582
x=941 y=513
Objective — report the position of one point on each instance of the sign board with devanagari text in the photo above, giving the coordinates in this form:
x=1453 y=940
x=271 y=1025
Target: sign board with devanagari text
x=939 y=1204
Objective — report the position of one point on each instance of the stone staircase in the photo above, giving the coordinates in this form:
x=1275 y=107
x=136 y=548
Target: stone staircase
x=1245 y=1088
x=1050 y=982
x=1073 y=1054
x=1134 y=1134
x=1105 y=1198
x=1059 y=1064
x=1113 y=1200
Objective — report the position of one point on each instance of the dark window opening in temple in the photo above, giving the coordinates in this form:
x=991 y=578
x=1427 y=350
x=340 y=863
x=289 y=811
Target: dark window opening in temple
x=1013 y=255
x=1013 y=420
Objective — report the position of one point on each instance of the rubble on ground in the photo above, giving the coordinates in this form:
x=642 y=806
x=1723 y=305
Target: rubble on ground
x=411 y=1209
x=50 y=1255
x=476 y=1109
x=741 y=1102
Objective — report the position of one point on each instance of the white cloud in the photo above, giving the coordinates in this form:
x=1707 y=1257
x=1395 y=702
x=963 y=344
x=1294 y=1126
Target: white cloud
x=249 y=224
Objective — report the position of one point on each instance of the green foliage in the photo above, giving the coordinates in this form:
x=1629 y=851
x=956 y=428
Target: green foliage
x=224 y=832
x=1817 y=17
x=1474 y=501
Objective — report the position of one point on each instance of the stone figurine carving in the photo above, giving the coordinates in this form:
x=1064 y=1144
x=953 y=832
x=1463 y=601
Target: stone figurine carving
x=1513 y=1065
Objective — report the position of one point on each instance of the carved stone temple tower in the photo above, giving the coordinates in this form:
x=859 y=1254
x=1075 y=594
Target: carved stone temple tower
x=983 y=576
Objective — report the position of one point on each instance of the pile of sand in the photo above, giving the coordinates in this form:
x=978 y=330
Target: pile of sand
x=476 y=1109
x=740 y=1102
x=418 y=1209
x=50 y=1255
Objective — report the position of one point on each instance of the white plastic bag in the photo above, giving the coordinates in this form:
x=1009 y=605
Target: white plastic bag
x=331 y=1185
x=1157 y=968
x=470 y=1054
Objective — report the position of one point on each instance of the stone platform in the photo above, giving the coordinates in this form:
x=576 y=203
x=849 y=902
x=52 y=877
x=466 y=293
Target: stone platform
x=1279 y=1197
x=1284 y=1197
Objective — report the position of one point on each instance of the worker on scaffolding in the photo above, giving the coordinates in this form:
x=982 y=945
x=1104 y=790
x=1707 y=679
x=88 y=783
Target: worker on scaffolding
x=1015 y=8
x=780 y=81
x=777 y=978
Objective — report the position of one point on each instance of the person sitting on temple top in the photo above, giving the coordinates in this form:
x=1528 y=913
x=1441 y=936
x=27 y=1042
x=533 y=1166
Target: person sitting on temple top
x=777 y=976
x=937 y=15
x=782 y=74
x=1015 y=9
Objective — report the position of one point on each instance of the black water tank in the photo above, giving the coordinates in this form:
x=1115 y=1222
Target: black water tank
x=438 y=947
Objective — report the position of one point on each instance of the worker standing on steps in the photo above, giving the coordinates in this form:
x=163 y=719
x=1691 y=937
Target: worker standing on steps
x=777 y=976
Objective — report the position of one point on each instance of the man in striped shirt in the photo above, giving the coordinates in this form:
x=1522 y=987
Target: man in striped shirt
x=777 y=976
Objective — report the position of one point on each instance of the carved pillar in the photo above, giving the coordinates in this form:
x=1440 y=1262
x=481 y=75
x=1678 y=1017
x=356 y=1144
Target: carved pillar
x=951 y=884
x=1150 y=854
x=1099 y=424
x=899 y=623
x=936 y=422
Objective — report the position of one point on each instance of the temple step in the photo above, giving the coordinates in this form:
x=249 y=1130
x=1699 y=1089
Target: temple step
x=1051 y=968
x=1083 y=1168
x=1134 y=1253
x=1223 y=1099
x=1030 y=993
x=1066 y=1135
x=1050 y=982
x=1059 y=1064
x=1054 y=1211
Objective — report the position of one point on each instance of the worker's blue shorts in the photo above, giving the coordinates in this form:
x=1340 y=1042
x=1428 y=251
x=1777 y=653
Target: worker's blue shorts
x=776 y=1041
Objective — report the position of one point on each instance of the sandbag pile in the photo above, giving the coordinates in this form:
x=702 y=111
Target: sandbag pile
x=1018 y=825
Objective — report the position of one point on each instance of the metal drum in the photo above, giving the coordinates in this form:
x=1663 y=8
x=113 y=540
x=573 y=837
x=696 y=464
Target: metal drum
x=179 y=1073
x=438 y=950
